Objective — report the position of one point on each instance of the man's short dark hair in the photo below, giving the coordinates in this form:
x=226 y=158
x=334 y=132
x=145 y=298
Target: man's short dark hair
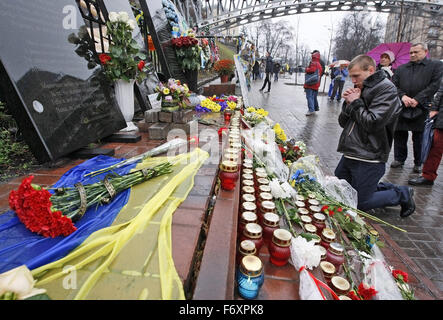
x=363 y=61
x=421 y=44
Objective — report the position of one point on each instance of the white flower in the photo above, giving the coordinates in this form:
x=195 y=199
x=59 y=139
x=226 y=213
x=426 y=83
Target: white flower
x=113 y=16
x=123 y=16
x=19 y=281
x=132 y=24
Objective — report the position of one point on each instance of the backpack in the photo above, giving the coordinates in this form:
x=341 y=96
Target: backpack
x=322 y=63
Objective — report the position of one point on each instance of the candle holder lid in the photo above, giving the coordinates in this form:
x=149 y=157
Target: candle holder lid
x=228 y=166
x=315 y=209
x=251 y=265
x=300 y=204
x=253 y=230
x=249 y=217
x=247 y=171
x=248 y=189
x=327 y=267
x=305 y=219
x=266 y=196
x=299 y=197
x=271 y=219
x=310 y=228
x=263 y=181
x=247 y=247
x=269 y=205
x=260 y=169
x=247 y=197
x=319 y=217
x=260 y=174
x=250 y=161
x=314 y=202
x=236 y=145
x=247 y=176
x=328 y=234
x=282 y=237
x=249 y=183
x=303 y=211
x=231 y=150
x=264 y=188
x=249 y=206
x=247 y=166
x=336 y=248
x=341 y=284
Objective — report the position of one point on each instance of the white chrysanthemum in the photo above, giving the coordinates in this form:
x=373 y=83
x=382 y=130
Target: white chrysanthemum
x=132 y=24
x=113 y=16
x=123 y=16
x=276 y=190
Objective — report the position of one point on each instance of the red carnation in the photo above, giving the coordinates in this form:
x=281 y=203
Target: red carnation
x=366 y=292
x=324 y=208
x=353 y=296
x=401 y=275
x=32 y=205
x=331 y=213
x=104 y=58
x=141 y=65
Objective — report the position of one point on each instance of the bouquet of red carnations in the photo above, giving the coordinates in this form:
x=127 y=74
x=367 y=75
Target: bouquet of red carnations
x=52 y=215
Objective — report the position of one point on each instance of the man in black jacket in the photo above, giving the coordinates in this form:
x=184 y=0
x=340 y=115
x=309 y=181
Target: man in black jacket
x=416 y=82
x=368 y=118
x=268 y=70
x=431 y=164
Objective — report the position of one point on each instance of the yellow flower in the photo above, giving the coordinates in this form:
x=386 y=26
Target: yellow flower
x=166 y=91
x=250 y=109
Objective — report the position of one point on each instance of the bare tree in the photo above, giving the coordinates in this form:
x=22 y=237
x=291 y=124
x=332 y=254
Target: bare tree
x=357 y=34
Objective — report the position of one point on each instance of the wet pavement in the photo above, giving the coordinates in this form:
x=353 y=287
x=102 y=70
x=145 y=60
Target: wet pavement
x=422 y=245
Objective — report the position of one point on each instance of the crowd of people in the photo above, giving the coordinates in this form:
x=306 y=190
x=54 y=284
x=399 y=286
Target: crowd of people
x=380 y=110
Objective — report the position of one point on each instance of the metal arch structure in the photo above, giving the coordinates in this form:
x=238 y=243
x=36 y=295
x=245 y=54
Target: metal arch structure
x=219 y=15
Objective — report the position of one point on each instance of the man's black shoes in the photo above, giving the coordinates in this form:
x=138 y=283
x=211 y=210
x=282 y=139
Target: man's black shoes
x=409 y=207
x=397 y=164
x=420 y=181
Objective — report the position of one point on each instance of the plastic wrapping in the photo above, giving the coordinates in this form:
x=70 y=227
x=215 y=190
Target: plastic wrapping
x=309 y=165
x=261 y=140
x=378 y=275
x=306 y=254
x=341 y=190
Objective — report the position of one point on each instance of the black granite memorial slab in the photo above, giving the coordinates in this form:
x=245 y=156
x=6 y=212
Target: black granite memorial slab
x=51 y=78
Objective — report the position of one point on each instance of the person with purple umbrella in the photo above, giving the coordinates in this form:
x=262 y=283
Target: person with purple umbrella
x=417 y=81
x=387 y=58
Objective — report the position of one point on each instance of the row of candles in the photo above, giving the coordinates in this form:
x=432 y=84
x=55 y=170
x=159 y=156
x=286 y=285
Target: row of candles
x=259 y=225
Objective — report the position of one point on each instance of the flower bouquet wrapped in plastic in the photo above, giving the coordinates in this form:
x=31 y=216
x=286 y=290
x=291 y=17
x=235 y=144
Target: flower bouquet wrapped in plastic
x=305 y=255
x=378 y=275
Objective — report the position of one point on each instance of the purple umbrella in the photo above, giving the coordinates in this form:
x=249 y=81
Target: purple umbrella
x=400 y=50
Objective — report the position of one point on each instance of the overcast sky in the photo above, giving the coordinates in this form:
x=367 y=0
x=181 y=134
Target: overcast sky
x=313 y=27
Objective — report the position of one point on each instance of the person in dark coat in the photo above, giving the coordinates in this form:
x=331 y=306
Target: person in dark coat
x=368 y=119
x=268 y=70
x=277 y=68
x=386 y=60
x=256 y=70
x=416 y=82
x=431 y=164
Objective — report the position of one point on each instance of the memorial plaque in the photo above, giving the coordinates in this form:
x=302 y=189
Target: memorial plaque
x=52 y=79
x=161 y=35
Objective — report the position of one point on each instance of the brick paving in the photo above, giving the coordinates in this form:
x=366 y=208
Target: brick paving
x=422 y=245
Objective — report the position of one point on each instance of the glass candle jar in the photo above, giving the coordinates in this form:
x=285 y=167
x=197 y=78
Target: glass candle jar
x=279 y=248
x=235 y=145
x=248 y=190
x=314 y=209
x=300 y=197
x=310 y=228
x=230 y=156
x=299 y=204
x=327 y=237
x=250 y=277
x=264 y=196
x=319 y=220
x=323 y=252
x=264 y=188
x=245 y=248
x=328 y=270
x=245 y=218
x=248 y=197
x=265 y=207
x=340 y=285
x=334 y=255
x=227 y=116
x=270 y=223
x=260 y=169
x=247 y=176
x=253 y=232
x=313 y=202
x=248 y=171
x=260 y=174
x=303 y=212
x=305 y=219
x=247 y=166
x=228 y=175
x=247 y=183
x=262 y=181
x=248 y=206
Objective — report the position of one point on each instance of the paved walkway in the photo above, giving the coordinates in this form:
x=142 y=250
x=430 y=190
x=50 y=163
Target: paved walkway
x=423 y=242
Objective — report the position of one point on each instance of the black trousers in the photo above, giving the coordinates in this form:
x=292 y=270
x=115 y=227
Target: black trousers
x=401 y=145
x=268 y=81
x=338 y=85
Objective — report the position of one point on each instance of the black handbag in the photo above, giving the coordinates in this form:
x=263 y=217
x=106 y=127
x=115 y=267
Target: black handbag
x=411 y=113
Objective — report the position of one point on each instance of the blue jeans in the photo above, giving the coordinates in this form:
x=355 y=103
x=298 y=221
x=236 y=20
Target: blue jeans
x=311 y=96
x=364 y=177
